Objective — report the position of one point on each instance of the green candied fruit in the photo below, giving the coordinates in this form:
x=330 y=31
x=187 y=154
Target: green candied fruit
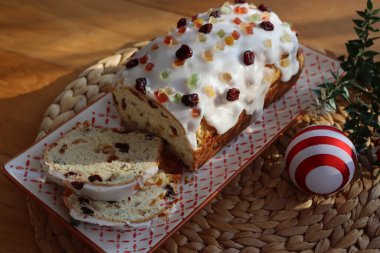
x=192 y=81
x=177 y=98
x=254 y=17
x=221 y=33
x=165 y=74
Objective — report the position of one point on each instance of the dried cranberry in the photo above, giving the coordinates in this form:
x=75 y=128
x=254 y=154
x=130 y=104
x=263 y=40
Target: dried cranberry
x=206 y=28
x=233 y=94
x=184 y=52
x=267 y=25
x=77 y=185
x=141 y=84
x=240 y=1
x=87 y=210
x=181 y=22
x=262 y=7
x=70 y=173
x=123 y=104
x=215 y=14
x=190 y=100
x=62 y=149
x=248 y=57
x=83 y=200
x=122 y=147
x=132 y=63
x=94 y=178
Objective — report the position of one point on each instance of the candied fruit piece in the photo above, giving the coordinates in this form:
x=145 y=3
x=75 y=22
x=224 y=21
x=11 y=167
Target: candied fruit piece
x=265 y=16
x=226 y=77
x=168 y=40
x=132 y=63
x=267 y=26
x=268 y=43
x=202 y=37
x=225 y=9
x=182 y=29
x=229 y=40
x=179 y=63
x=213 y=20
x=241 y=10
x=221 y=33
x=285 y=63
x=196 y=112
x=248 y=57
x=208 y=55
x=236 y=35
x=233 y=94
x=209 y=90
x=220 y=45
x=286 y=38
x=149 y=66
x=165 y=74
x=193 y=81
x=254 y=17
x=198 y=22
x=161 y=96
x=141 y=85
x=262 y=7
x=143 y=59
x=206 y=28
x=177 y=98
x=154 y=47
x=237 y=20
x=249 y=29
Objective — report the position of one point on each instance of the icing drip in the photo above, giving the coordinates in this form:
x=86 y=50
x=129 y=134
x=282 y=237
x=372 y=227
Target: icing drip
x=215 y=65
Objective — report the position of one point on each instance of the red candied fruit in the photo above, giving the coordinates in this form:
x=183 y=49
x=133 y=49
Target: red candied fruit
x=206 y=28
x=241 y=10
x=182 y=22
x=235 y=34
x=182 y=29
x=168 y=40
x=262 y=7
x=132 y=63
x=161 y=96
x=248 y=57
x=196 y=112
x=233 y=94
x=237 y=21
x=267 y=26
x=143 y=59
x=149 y=66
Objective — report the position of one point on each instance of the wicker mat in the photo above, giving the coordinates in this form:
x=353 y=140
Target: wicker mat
x=260 y=211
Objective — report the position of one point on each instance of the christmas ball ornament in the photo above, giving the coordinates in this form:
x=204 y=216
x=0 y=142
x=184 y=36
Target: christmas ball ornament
x=320 y=159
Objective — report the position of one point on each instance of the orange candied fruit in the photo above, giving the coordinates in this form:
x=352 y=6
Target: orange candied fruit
x=143 y=59
x=249 y=29
x=154 y=47
x=168 y=40
x=196 y=112
x=237 y=21
x=182 y=29
x=179 y=63
x=198 y=22
x=241 y=10
x=149 y=66
x=229 y=40
x=161 y=96
x=235 y=35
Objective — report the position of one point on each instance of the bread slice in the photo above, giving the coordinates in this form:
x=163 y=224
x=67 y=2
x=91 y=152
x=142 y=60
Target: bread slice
x=157 y=197
x=203 y=83
x=102 y=163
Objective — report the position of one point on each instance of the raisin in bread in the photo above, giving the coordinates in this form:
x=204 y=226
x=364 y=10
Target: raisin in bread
x=101 y=163
x=207 y=80
x=157 y=197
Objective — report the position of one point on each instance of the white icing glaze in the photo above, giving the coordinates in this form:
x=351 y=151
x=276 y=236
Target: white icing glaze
x=250 y=80
x=104 y=193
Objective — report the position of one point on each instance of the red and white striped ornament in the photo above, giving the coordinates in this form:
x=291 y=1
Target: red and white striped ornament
x=320 y=159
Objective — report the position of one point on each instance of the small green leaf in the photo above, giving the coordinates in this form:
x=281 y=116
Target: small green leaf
x=369 y=4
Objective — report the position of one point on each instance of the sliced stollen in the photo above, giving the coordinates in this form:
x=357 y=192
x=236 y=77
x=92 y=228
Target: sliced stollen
x=102 y=163
x=155 y=198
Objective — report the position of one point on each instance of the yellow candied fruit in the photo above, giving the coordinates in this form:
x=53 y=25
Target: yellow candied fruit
x=268 y=43
x=229 y=40
x=226 y=77
x=220 y=45
x=198 y=22
x=178 y=63
x=285 y=63
x=202 y=37
x=286 y=38
x=213 y=20
x=208 y=55
x=209 y=90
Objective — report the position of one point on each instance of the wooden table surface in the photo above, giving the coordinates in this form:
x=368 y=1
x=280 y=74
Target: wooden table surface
x=43 y=44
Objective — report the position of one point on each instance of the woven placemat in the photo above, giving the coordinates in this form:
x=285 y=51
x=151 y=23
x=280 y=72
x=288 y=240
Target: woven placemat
x=260 y=211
